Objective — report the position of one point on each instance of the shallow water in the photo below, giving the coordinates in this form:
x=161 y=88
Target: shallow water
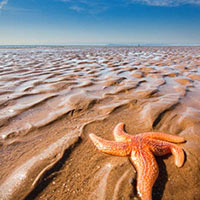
x=52 y=97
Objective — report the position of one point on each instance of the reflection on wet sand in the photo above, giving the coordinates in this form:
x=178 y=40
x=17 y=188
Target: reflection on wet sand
x=52 y=98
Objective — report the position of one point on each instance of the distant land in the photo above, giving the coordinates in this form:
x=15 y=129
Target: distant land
x=100 y=45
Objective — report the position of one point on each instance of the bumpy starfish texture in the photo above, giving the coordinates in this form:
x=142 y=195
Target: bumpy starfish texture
x=141 y=148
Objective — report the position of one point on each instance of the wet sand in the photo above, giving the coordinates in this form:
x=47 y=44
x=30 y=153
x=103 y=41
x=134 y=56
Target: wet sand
x=52 y=98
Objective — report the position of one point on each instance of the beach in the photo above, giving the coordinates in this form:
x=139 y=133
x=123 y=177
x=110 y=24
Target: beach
x=52 y=98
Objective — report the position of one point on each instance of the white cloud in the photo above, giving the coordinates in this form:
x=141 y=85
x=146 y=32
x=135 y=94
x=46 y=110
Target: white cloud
x=3 y=3
x=76 y=1
x=87 y=6
x=77 y=8
x=65 y=0
x=167 y=2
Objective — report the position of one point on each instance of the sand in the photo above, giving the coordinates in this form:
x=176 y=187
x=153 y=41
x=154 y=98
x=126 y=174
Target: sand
x=52 y=98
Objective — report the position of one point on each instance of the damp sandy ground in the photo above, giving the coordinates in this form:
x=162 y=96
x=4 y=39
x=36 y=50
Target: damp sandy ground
x=52 y=98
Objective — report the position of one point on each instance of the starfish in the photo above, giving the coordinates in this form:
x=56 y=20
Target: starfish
x=141 y=148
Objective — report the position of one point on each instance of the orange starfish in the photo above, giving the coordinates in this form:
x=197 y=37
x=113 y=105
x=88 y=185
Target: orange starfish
x=141 y=148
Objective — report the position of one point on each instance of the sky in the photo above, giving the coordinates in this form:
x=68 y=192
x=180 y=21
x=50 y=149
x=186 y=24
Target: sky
x=64 y=22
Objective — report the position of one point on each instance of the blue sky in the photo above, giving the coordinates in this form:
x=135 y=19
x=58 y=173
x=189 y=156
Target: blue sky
x=99 y=21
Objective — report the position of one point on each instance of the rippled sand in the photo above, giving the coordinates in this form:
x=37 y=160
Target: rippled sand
x=52 y=98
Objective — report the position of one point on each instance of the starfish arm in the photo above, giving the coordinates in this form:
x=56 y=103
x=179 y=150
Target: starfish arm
x=179 y=156
x=111 y=147
x=119 y=134
x=163 y=136
x=147 y=172
x=161 y=148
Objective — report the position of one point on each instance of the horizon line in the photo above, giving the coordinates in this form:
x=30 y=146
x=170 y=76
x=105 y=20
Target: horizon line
x=101 y=44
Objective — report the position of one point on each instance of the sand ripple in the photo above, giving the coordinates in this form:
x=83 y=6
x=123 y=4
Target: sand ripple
x=51 y=98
